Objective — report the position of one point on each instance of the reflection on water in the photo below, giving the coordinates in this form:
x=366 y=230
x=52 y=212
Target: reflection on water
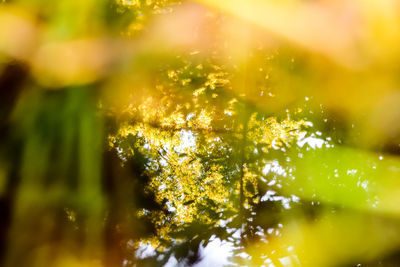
x=215 y=133
x=249 y=187
x=215 y=171
x=262 y=191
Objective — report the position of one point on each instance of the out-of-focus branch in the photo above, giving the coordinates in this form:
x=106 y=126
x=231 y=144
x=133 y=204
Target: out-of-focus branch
x=311 y=25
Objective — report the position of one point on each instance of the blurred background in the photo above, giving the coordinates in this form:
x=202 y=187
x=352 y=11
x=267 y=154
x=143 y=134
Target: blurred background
x=199 y=133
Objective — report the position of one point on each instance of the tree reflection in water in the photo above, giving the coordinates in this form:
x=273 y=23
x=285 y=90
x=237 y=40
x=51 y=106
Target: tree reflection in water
x=173 y=133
